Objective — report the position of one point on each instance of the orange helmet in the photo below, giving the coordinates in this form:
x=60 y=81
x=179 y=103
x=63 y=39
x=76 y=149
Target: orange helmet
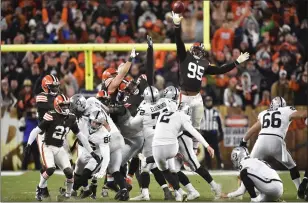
x=109 y=73
x=62 y=104
x=103 y=96
x=50 y=84
x=129 y=86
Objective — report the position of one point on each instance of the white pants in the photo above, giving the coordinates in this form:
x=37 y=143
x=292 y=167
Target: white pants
x=52 y=156
x=270 y=190
x=186 y=150
x=196 y=105
x=85 y=160
x=164 y=156
x=272 y=146
x=132 y=146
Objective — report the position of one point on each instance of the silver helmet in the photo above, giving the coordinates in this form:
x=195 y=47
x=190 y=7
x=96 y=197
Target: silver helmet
x=277 y=102
x=184 y=107
x=237 y=155
x=151 y=94
x=171 y=92
x=78 y=104
x=96 y=120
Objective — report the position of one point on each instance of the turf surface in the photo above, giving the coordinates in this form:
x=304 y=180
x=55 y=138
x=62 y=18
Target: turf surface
x=22 y=188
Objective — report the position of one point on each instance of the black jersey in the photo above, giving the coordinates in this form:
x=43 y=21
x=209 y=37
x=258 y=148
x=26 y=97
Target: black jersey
x=191 y=69
x=55 y=127
x=44 y=103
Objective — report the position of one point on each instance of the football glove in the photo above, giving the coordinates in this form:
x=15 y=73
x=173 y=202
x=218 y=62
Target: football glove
x=176 y=18
x=243 y=57
x=96 y=157
x=133 y=54
x=243 y=143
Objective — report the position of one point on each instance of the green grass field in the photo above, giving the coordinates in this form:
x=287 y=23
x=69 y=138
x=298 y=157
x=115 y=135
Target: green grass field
x=22 y=188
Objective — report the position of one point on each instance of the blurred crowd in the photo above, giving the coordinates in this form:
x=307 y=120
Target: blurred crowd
x=273 y=32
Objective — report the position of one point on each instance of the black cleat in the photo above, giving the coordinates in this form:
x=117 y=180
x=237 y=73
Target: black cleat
x=122 y=195
x=38 y=194
x=62 y=190
x=306 y=194
x=93 y=189
x=45 y=193
x=111 y=186
x=301 y=189
x=62 y=198
x=85 y=194
x=168 y=195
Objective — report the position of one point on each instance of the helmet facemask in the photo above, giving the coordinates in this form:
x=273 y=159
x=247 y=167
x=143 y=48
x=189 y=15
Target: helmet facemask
x=198 y=51
x=95 y=125
x=53 y=88
x=64 y=108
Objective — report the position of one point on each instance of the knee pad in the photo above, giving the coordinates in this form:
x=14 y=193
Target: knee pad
x=68 y=172
x=294 y=173
x=50 y=171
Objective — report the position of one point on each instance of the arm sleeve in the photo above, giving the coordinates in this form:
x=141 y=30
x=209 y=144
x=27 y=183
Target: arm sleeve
x=180 y=46
x=84 y=142
x=187 y=126
x=150 y=66
x=240 y=191
x=33 y=135
x=105 y=153
x=213 y=70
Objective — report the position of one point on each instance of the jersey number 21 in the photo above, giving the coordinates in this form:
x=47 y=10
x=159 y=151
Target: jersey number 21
x=195 y=71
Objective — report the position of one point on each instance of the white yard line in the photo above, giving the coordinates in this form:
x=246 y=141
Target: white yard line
x=12 y=173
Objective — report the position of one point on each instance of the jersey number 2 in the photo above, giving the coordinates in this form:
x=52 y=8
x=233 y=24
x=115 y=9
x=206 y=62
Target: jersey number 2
x=60 y=132
x=274 y=122
x=195 y=71
x=165 y=118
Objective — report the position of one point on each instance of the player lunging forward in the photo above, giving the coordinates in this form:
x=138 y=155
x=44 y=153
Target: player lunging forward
x=272 y=126
x=165 y=144
x=193 y=65
x=255 y=174
x=55 y=126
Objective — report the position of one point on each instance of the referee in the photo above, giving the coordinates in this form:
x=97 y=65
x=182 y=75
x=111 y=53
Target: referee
x=211 y=130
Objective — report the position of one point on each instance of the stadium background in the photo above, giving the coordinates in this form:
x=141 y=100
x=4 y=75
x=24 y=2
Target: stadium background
x=274 y=33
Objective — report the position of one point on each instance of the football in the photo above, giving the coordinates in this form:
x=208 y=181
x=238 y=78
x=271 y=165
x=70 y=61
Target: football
x=178 y=7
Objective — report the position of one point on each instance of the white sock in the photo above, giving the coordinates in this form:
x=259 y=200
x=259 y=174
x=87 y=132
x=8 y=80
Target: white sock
x=213 y=184
x=85 y=188
x=43 y=180
x=145 y=191
x=163 y=186
x=69 y=187
x=297 y=182
x=181 y=191
x=190 y=187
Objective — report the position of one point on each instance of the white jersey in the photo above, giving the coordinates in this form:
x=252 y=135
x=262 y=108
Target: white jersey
x=172 y=105
x=168 y=127
x=94 y=104
x=276 y=122
x=259 y=169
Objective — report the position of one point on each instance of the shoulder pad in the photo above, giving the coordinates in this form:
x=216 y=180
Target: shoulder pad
x=292 y=108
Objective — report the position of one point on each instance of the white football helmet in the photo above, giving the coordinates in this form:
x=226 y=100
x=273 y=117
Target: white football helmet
x=96 y=120
x=78 y=104
x=277 y=102
x=237 y=155
x=171 y=92
x=151 y=94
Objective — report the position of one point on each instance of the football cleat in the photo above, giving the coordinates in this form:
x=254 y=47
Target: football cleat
x=111 y=186
x=122 y=195
x=301 y=189
x=38 y=194
x=167 y=194
x=141 y=197
x=45 y=193
x=217 y=190
x=62 y=198
x=104 y=192
x=179 y=197
x=193 y=195
x=85 y=194
x=93 y=188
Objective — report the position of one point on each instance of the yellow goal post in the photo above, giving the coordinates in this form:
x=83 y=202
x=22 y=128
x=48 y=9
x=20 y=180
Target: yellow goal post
x=89 y=48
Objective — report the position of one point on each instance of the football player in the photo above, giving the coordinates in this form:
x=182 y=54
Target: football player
x=272 y=127
x=165 y=144
x=96 y=129
x=255 y=174
x=303 y=187
x=55 y=126
x=194 y=65
x=146 y=120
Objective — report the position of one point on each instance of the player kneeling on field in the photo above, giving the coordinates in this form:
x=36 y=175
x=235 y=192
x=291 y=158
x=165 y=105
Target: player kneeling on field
x=255 y=174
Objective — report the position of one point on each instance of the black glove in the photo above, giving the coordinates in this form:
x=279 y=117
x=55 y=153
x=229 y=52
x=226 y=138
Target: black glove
x=149 y=41
x=27 y=150
x=243 y=143
x=96 y=157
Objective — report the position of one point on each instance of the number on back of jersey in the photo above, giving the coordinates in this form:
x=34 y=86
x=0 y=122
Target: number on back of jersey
x=273 y=120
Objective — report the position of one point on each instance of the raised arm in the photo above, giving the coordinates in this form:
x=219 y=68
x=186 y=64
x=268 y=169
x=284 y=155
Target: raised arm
x=180 y=46
x=214 y=70
x=150 y=62
x=298 y=114
x=254 y=130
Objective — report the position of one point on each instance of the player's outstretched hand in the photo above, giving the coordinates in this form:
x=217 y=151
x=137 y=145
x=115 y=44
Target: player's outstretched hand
x=210 y=151
x=243 y=143
x=176 y=18
x=243 y=57
x=96 y=157
x=99 y=174
x=27 y=150
x=133 y=54
x=149 y=41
